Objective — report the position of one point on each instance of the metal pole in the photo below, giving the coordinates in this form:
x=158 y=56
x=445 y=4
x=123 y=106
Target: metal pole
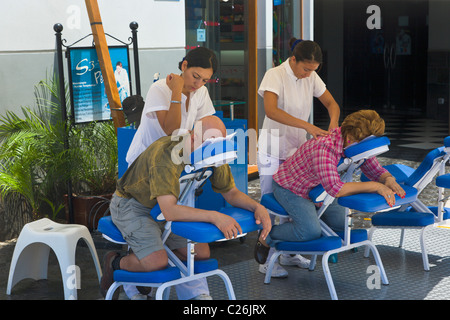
x=133 y=26
x=62 y=97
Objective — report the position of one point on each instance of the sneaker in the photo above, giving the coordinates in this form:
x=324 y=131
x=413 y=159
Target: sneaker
x=277 y=271
x=296 y=260
x=202 y=296
x=108 y=272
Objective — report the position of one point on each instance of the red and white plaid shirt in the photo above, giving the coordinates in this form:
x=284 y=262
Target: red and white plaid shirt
x=315 y=162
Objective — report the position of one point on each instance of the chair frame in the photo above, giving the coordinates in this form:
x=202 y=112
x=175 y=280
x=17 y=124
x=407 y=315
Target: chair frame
x=347 y=168
x=437 y=167
x=325 y=263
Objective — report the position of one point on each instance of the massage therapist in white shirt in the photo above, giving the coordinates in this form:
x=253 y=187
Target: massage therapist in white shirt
x=172 y=107
x=288 y=91
x=174 y=104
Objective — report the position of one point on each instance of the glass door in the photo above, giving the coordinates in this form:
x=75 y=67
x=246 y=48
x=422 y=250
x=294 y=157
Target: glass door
x=220 y=26
x=385 y=68
x=233 y=44
x=203 y=30
x=286 y=25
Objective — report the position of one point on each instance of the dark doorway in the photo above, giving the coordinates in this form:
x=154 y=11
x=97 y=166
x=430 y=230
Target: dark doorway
x=386 y=68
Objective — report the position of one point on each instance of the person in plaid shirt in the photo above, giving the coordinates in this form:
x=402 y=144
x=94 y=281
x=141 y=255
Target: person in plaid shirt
x=314 y=163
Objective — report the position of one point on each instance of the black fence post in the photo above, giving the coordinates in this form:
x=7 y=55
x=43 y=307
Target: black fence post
x=133 y=26
x=62 y=96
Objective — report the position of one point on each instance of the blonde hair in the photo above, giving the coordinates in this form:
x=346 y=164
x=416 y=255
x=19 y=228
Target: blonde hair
x=361 y=124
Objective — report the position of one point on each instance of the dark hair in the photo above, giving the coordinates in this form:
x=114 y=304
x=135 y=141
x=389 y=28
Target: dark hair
x=200 y=57
x=306 y=50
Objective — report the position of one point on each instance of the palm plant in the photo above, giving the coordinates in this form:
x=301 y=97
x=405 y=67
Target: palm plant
x=34 y=159
x=96 y=169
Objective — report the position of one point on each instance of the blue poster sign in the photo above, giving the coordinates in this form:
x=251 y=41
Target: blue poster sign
x=88 y=97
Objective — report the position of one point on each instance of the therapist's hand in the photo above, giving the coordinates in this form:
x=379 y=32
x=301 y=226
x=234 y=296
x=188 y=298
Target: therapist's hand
x=316 y=131
x=175 y=82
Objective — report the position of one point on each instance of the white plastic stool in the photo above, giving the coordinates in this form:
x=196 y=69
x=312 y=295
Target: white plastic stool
x=30 y=258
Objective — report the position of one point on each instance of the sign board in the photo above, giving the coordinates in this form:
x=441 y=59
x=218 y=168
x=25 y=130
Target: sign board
x=87 y=90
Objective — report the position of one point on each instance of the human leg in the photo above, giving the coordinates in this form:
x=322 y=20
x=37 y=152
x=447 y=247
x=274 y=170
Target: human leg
x=267 y=166
x=141 y=232
x=143 y=235
x=129 y=216
x=304 y=224
x=334 y=216
x=196 y=289
x=202 y=252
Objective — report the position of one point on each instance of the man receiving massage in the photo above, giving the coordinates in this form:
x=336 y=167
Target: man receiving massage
x=316 y=162
x=152 y=179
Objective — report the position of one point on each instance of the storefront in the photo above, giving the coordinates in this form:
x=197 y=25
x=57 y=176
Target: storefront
x=222 y=26
x=234 y=29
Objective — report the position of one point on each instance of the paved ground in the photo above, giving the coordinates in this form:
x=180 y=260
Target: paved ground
x=227 y=253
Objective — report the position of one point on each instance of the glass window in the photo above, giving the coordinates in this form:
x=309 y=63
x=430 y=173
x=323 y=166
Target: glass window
x=220 y=26
x=286 y=25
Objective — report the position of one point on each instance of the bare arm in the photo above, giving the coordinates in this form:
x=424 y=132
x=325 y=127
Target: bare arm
x=281 y=116
x=333 y=109
x=239 y=199
x=386 y=187
x=170 y=120
x=175 y=212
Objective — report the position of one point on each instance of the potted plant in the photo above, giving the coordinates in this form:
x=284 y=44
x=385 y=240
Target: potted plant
x=36 y=165
x=94 y=175
x=33 y=162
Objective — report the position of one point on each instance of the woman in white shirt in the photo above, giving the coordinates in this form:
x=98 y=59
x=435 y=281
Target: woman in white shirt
x=288 y=91
x=172 y=107
x=174 y=104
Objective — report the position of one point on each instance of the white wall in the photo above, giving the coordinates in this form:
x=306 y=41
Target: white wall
x=265 y=47
x=308 y=19
x=28 y=39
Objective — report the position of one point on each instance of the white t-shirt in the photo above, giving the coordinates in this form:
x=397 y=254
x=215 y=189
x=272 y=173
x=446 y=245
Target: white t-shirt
x=295 y=96
x=158 y=98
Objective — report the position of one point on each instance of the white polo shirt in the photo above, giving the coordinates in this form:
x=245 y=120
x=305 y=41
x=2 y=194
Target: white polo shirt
x=295 y=96
x=158 y=98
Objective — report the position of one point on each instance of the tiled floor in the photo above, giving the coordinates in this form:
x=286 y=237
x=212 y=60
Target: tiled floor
x=403 y=266
x=411 y=139
x=413 y=133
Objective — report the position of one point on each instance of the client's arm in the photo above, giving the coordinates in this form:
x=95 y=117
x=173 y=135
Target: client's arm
x=386 y=187
x=239 y=199
x=175 y=212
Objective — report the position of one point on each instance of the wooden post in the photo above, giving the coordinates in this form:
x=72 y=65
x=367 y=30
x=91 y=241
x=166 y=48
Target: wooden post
x=109 y=80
